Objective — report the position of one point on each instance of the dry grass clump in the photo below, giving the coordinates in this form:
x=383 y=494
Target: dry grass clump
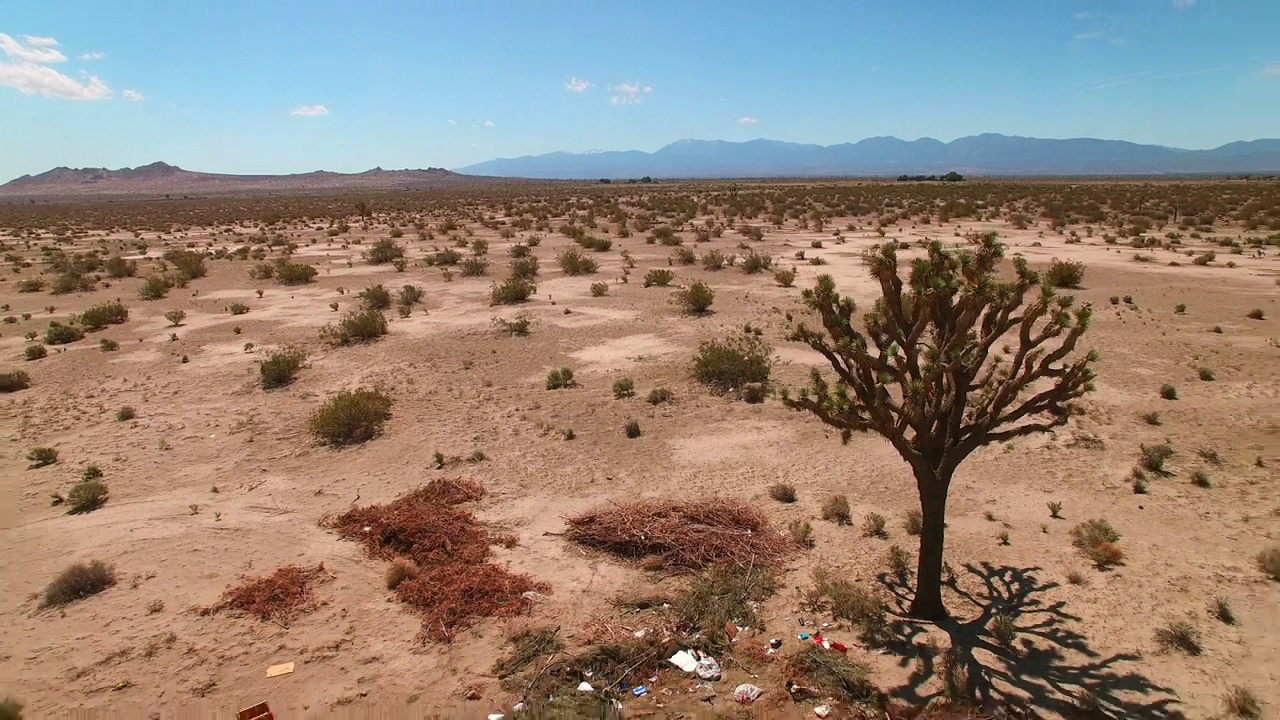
x=527 y=646
x=847 y=601
x=1179 y=635
x=721 y=596
x=1243 y=703
x=836 y=510
x=783 y=492
x=455 y=583
x=398 y=571
x=279 y=597
x=832 y=673
x=77 y=582
x=682 y=535
x=1096 y=539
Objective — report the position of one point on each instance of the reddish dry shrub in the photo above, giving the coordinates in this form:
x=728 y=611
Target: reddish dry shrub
x=279 y=597
x=454 y=584
x=682 y=535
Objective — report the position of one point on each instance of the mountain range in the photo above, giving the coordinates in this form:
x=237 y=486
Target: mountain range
x=988 y=154
x=978 y=155
x=161 y=178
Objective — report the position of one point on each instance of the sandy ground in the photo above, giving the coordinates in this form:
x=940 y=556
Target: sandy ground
x=460 y=387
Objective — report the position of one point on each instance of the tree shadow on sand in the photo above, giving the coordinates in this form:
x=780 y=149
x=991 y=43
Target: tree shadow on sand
x=1048 y=665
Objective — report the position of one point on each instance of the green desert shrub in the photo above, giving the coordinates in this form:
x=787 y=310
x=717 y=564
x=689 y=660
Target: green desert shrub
x=1064 y=273
x=42 y=456
x=659 y=277
x=1168 y=392
x=175 y=317
x=599 y=289
x=1096 y=540
x=514 y=289
x=785 y=278
x=35 y=352
x=624 y=387
x=291 y=273
x=357 y=326
x=560 y=378
x=375 y=297
x=59 y=334
x=836 y=509
x=383 y=252
x=100 y=316
x=280 y=367
x=1269 y=562
x=86 y=496
x=238 y=308
x=659 y=396
x=727 y=365
x=188 y=263
x=783 y=492
x=351 y=417
x=574 y=262
x=695 y=299
x=117 y=267
x=154 y=287
x=108 y=345
x=473 y=266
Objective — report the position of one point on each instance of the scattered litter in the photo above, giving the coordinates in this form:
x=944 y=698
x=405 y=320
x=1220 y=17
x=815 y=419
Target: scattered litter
x=746 y=692
x=683 y=660
x=518 y=707
x=707 y=669
x=585 y=686
x=256 y=712
x=731 y=630
x=803 y=636
x=281 y=669
x=641 y=632
x=822 y=711
x=496 y=716
x=639 y=691
x=829 y=644
x=533 y=596
x=800 y=621
x=775 y=643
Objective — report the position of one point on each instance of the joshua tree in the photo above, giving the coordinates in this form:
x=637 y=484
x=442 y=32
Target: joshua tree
x=923 y=375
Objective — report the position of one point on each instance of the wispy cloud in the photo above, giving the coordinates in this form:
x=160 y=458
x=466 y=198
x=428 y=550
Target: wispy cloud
x=310 y=110
x=629 y=93
x=747 y=120
x=95 y=55
x=453 y=122
x=1271 y=71
x=132 y=95
x=488 y=123
x=1086 y=15
x=575 y=85
x=31 y=49
x=26 y=69
x=1094 y=35
x=1147 y=75
x=1183 y=4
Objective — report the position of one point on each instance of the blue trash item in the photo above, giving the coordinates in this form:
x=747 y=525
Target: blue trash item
x=804 y=636
x=639 y=690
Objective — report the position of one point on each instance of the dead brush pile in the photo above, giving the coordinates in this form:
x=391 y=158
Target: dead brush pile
x=682 y=535
x=455 y=584
x=280 y=597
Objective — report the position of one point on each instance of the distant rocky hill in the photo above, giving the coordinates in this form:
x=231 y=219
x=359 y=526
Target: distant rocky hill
x=160 y=179
x=988 y=154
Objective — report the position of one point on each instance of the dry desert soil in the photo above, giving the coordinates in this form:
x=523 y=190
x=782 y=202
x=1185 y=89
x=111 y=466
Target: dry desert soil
x=215 y=479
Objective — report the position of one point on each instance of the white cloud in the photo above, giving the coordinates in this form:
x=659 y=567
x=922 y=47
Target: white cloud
x=453 y=122
x=573 y=84
x=488 y=123
x=1183 y=4
x=310 y=110
x=26 y=70
x=1084 y=15
x=1271 y=70
x=1095 y=35
x=95 y=55
x=132 y=95
x=35 y=49
x=747 y=120
x=631 y=93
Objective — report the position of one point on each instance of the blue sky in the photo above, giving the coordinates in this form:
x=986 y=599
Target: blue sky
x=299 y=85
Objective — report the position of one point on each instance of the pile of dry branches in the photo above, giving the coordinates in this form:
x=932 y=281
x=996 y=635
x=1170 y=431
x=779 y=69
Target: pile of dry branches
x=682 y=535
x=455 y=583
x=279 y=597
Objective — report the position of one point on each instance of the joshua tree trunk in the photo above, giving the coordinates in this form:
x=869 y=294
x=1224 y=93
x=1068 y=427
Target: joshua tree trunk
x=927 y=604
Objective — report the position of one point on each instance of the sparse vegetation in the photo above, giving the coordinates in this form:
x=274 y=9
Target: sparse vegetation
x=351 y=417
x=726 y=366
x=658 y=277
x=86 y=496
x=1064 y=273
x=1179 y=635
x=280 y=367
x=836 y=509
x=1096 y=540
x=695 y=299
x=14 y=380
x=783 y=492
x=624 y=387
x=873 y=525
x=42 y=456
x=561 y=378
x=515 y=289
x=357 y=326
x=77 y=582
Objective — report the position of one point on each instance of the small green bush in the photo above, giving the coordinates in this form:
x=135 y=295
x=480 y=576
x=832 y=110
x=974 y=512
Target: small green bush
x=560 y=378
x=117 y=267
x=59 y=334
x=573 y=262
x=913 y=523
x=1206 y=374
x=519 y=325
x=280 y=367
x=375 y=297
x=525 y=267
x=658 y=277
x=754 y=263
x=1153 y=457
x=86 y=496
x=599 y=289
x=695 y=299
x=30 y=285
x=624 y=387
x=14 y=380
x=1064 y=273
x=1256 y=314
x=1096 y=539
x=351 y=417
x=785 y=278
x=175 y=317
x=42 y=456
x=1168 y=392
x=290 y=273
x=154 y=287
x=514 y=289
x=714 y=260
x=874 y=526
x=108 y=345
x=77 y=582
x=100 y=316
x=383 y=252
x=632 y=429
x=126 y=413
x=473 y=266
x=35 y=352
x=189 y=264
x=238 y=308
x=727 y=365
x=1241 y=702
x=357 y=326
